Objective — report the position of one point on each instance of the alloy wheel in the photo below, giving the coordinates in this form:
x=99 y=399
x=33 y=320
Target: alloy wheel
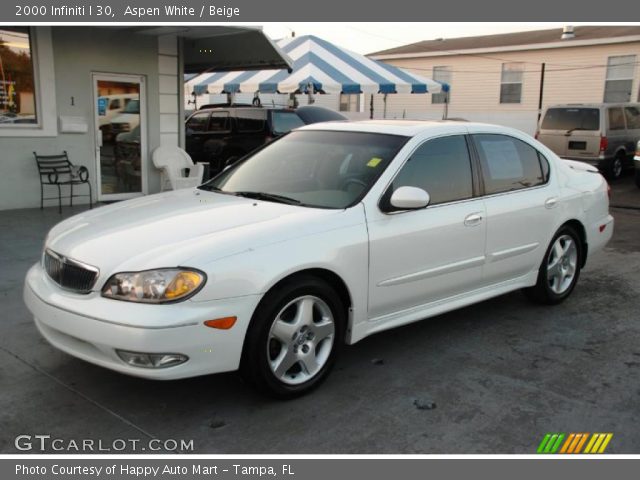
x=562 y=264
x=300 y=340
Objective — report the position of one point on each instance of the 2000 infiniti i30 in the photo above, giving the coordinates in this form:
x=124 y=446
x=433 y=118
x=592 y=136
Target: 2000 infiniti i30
x=332 y=233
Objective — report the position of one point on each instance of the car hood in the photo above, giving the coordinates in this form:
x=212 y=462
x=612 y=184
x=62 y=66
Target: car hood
x=181 y=228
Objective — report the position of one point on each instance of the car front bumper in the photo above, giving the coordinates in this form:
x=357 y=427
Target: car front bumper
x=92 y=328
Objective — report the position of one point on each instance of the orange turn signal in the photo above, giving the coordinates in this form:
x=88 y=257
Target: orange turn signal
x=222 y=323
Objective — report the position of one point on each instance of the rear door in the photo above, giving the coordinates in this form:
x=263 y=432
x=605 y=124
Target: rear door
x=616 y=131
x=571 y=131
x=521 y=203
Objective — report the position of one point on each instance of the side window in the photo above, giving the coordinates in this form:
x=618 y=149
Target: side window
x=441 y=167
x=219 y=122
x=250 y=120
x=198 y=122
x=509 y=164
x=633 y=117
x=115 y=104
x=616 y=119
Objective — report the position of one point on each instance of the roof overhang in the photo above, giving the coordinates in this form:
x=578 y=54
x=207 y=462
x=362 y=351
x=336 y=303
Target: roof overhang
x=220 y=48
x=509 y=48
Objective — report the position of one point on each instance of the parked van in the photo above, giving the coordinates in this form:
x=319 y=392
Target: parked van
x=111 y=105
x=602 y=134
x=128 y=119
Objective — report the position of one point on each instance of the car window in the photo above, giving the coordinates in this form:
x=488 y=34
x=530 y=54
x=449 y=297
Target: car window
x=571 y=119
x=132 y=107
x=115 y=103
x=219 y=122
x=316 y=168
x=633 y=117
x=198 y=122
x=284 y=122
x=441 y=167
x=250 y=120
x=616 y=119
x=508 y=163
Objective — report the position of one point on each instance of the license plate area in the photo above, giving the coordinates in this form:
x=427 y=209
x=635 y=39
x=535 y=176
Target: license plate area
x=577 y=145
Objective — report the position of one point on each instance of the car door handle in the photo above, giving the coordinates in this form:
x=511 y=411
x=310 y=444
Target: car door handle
x=473 y=219
x=551 y=202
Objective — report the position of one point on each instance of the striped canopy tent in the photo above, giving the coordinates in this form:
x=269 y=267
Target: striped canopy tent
x=318 y=67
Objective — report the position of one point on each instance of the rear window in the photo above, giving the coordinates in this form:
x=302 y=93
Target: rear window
x=250 y=120
x=284 y=122
x=571 y=119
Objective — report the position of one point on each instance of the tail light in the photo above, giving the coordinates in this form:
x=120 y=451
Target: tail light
x=604 y=143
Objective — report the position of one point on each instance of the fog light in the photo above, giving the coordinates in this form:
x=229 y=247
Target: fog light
x=152 y=360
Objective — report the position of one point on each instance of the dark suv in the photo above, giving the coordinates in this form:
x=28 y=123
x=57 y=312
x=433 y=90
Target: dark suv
x=220 y=135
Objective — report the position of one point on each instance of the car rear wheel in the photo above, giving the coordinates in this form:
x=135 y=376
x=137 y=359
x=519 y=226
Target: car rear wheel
x=560 y=268
x=293 y=338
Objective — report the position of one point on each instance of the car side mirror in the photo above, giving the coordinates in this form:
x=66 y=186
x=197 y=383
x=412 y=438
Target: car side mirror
x=409 y=198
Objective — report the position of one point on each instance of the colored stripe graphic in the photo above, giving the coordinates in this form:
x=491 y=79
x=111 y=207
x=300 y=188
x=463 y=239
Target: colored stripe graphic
x=550 y=443
x=574 y=443
x=598 y=443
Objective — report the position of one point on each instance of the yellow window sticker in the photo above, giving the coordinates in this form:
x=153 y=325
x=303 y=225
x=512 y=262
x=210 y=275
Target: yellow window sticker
x=374 y=162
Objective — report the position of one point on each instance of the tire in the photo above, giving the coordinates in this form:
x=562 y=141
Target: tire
x=637 y=177
x=560 y=268
x=293 y=338
x=615 y=167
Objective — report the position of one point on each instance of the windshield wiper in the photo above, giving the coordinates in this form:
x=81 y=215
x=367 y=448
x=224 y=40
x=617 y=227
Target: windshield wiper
x=272 y=197
x=571 y=130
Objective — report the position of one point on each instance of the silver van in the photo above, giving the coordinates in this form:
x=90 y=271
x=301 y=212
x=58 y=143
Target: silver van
x=602 y=134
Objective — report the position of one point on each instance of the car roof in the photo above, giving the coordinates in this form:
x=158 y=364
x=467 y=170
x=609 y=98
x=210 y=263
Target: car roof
x=408 y=128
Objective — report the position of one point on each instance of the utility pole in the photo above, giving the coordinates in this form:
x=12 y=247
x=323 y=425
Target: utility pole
x=541 y=92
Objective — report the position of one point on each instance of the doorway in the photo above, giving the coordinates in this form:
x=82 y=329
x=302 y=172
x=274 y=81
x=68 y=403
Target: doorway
x=120 y=132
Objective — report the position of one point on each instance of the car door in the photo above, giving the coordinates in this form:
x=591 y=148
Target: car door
x=521 y=201
x=195 y=134
x=422 y=256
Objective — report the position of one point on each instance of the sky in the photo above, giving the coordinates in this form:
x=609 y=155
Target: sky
x=371 y=37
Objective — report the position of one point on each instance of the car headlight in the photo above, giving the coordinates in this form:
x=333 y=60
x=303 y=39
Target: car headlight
x=164 y=285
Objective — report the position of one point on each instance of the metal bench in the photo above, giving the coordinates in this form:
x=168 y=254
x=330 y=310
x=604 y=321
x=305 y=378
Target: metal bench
x=57 y=170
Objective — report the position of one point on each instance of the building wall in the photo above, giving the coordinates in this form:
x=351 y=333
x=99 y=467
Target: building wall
x=475 y=84
x=77 y=52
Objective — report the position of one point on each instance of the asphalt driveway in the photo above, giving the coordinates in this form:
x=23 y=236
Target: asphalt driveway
x=490 y=378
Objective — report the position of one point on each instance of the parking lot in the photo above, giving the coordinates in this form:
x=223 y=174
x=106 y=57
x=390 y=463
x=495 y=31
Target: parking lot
x=490 y=378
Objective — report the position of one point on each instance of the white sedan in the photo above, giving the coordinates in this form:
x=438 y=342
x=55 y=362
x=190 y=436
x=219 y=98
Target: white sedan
x=330 y=234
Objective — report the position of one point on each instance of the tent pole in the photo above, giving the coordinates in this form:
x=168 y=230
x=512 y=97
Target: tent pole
x=384 y=115
x=371 y=108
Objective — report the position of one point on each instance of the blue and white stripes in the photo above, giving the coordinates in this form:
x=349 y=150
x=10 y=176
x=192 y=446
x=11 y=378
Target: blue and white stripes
x=321 y=66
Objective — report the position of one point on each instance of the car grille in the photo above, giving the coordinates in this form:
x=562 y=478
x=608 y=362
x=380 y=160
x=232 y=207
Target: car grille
x=69 y=274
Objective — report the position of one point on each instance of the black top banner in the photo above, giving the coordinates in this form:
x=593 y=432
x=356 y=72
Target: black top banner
x=223 y=11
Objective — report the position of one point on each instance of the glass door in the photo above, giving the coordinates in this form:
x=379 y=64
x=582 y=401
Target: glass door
x=120 y=132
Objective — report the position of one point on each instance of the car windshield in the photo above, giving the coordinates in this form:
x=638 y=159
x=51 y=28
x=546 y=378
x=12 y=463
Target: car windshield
x=132 y=107
x=571 y=119
x=284 y=122
x=325 y=169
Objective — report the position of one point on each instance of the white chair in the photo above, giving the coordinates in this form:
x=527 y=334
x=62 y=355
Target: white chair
x=172 y=161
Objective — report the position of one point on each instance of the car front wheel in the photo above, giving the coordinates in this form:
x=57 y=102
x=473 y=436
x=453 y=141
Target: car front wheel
x=560 y=268
x=293 y=338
